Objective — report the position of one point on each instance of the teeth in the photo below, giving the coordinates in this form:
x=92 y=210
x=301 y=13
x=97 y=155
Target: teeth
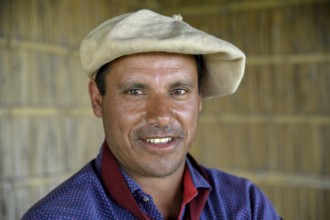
x=158 y=140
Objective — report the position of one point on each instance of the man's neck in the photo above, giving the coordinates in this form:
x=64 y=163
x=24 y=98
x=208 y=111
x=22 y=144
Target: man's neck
x=167 y=192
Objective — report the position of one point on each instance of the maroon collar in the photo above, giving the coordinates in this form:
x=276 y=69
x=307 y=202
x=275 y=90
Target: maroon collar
x=118 y=189
x=116 y=185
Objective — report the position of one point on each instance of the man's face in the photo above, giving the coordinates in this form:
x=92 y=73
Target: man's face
x=150 y=111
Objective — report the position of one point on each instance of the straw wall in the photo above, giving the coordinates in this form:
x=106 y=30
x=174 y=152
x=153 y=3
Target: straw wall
x=275 y=130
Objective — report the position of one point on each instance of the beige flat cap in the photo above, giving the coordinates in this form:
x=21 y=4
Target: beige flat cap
x=147 y=31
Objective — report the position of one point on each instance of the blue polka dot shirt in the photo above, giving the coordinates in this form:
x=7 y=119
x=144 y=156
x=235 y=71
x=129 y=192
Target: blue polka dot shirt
x=84 y=196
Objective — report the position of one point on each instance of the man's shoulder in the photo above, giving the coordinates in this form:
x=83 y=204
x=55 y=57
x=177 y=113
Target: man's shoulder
x=231 y=185
x=72 y=196
x=238 y=196
x=226 y=180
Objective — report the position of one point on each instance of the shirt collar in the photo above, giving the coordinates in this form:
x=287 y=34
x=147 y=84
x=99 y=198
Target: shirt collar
x=196 y=186
x=196 y=179
x=199 y=180
x=132 y=185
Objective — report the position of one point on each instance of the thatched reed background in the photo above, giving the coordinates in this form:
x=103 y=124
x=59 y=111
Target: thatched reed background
x=275 y=130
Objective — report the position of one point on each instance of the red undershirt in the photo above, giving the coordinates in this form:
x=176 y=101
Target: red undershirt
x=118 y=189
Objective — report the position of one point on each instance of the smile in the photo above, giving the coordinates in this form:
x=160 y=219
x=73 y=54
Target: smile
x=159 y=140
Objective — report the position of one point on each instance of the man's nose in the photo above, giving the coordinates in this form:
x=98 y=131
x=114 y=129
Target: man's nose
x=160 y=111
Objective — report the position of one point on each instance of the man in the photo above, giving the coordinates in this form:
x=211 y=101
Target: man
x=149 y=74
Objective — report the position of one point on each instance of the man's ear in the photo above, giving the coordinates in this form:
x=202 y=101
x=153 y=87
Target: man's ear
x=96 y=98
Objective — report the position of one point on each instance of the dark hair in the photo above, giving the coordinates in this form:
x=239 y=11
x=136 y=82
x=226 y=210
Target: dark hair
x=102 y=72
x=100 y=77
x=200 y=69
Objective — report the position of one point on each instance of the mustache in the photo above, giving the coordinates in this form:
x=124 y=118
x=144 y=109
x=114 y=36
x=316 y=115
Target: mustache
x=154 y=131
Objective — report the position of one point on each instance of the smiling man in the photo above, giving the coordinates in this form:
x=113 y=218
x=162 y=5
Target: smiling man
x=149 y=74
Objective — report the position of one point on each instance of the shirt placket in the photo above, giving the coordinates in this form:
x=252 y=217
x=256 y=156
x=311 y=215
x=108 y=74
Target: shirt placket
x=147 y=205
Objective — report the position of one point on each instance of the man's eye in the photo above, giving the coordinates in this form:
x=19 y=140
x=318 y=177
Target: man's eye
x=134 y=92
x=179 y=91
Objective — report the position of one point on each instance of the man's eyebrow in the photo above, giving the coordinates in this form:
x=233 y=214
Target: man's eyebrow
x=184 y=83
x=131 y=84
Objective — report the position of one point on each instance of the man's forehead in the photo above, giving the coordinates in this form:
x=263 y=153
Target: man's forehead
x=155 y=62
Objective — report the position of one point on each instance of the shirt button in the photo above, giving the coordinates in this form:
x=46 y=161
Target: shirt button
x=145 y=199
